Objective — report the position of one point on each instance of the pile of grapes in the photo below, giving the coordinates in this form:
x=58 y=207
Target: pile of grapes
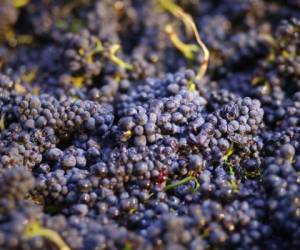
x=152 y=125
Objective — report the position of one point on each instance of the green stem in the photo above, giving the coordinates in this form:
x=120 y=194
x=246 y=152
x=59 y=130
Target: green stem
x=182 y=182
x=113 y=50
x=190 y=25
x=36 y=230
x=186 y=49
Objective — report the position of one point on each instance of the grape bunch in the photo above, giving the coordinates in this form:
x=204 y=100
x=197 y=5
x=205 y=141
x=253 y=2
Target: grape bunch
x=159 y=124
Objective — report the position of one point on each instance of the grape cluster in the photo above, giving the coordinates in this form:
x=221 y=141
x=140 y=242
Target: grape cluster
x=160 y=124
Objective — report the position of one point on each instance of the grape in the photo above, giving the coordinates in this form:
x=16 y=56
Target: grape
x=160 y=124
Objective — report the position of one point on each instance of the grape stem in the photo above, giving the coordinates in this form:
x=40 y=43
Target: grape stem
x=182 y=182
x=186 y=49
x=112 y=55
x=190 y=25
x=36 y=230
x=2 y=122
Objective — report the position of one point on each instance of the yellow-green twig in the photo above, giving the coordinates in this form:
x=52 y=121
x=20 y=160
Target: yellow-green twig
x=182 y=182
x=112 y=55
x=187 y=50
x=34 y=229
x=189 y=23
